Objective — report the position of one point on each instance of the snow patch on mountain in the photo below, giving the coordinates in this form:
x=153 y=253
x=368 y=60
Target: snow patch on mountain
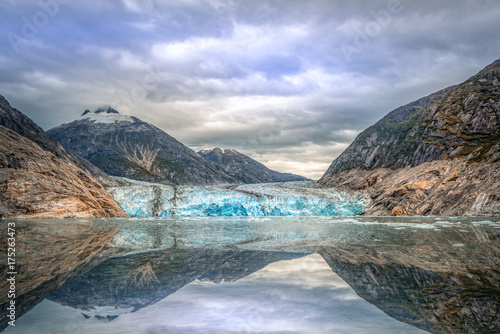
x=106 y=118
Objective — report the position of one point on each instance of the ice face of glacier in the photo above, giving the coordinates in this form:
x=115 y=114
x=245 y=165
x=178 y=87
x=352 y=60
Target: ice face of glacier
x=304 y=198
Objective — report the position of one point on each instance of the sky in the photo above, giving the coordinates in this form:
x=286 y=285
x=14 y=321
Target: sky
x=286 y=297
x=289 y=83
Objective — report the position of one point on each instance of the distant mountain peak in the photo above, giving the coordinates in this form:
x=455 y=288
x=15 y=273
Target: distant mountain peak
x=218 y=150
x=245 y=168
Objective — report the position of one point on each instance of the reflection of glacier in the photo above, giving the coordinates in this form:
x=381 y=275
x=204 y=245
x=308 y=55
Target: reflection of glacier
x=304 y=198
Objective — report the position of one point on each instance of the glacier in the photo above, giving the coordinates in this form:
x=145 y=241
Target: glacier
x=301 y=198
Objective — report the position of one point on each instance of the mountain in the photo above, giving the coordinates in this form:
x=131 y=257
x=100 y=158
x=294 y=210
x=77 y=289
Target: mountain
x=15 y=120
x=436 y=156
x=39 y=179
x=125 y=146
x=245 y=168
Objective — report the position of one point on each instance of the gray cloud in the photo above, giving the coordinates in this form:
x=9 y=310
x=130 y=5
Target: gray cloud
x=271 y=78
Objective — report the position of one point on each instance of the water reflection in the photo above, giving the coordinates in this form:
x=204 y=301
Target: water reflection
x=129 y=283
x=254 y=275
x=444 y=280
x=47 y=256
x=295 y=296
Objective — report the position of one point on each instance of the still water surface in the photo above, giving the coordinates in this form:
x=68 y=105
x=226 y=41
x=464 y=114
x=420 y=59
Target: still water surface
x=256 y=275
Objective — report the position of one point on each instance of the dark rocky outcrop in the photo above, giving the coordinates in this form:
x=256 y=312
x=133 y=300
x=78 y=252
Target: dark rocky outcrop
x=437 y=188
x=245 y=168
x=127 y=147
x=459 y=125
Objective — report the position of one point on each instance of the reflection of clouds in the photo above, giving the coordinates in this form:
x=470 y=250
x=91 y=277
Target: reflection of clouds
x=297 y=296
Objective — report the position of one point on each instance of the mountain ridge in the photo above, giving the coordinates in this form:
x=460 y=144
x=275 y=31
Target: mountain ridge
x=246 y=169
x=427 y=129
x=15 y=120
x=126 y=146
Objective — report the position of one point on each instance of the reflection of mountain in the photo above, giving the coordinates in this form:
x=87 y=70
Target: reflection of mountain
x=439 y=285
x=49 y=256
x=440 y=276
x=130 y=283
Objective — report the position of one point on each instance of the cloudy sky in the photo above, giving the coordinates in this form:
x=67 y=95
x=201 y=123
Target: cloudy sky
x=290 y=83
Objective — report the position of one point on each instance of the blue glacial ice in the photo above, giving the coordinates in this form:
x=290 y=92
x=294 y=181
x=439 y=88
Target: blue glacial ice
x=304 y=198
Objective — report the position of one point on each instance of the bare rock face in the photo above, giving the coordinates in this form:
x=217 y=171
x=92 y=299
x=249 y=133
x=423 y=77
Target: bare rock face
x=13 y=119
x=39 y=179
x=437 y=188
x=35 y=183
x=458 y=128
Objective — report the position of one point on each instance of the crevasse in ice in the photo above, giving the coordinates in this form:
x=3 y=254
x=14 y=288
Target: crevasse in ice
x=304 y=198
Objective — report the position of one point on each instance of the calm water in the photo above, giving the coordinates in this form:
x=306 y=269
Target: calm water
x=255 y=275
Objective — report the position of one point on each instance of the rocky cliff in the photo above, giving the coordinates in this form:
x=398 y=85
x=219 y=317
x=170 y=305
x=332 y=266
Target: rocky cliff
x=13 y=119
x=39 y=179
x=437 y=155
x=245 y=168
x=125 y=146
x=437 y=188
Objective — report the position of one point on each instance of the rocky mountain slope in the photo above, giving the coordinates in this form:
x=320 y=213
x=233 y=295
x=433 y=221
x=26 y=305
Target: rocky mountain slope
x=126 y=146
x=437 y=155
x=15 y=120
x=39 y=179
x=245 y=168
